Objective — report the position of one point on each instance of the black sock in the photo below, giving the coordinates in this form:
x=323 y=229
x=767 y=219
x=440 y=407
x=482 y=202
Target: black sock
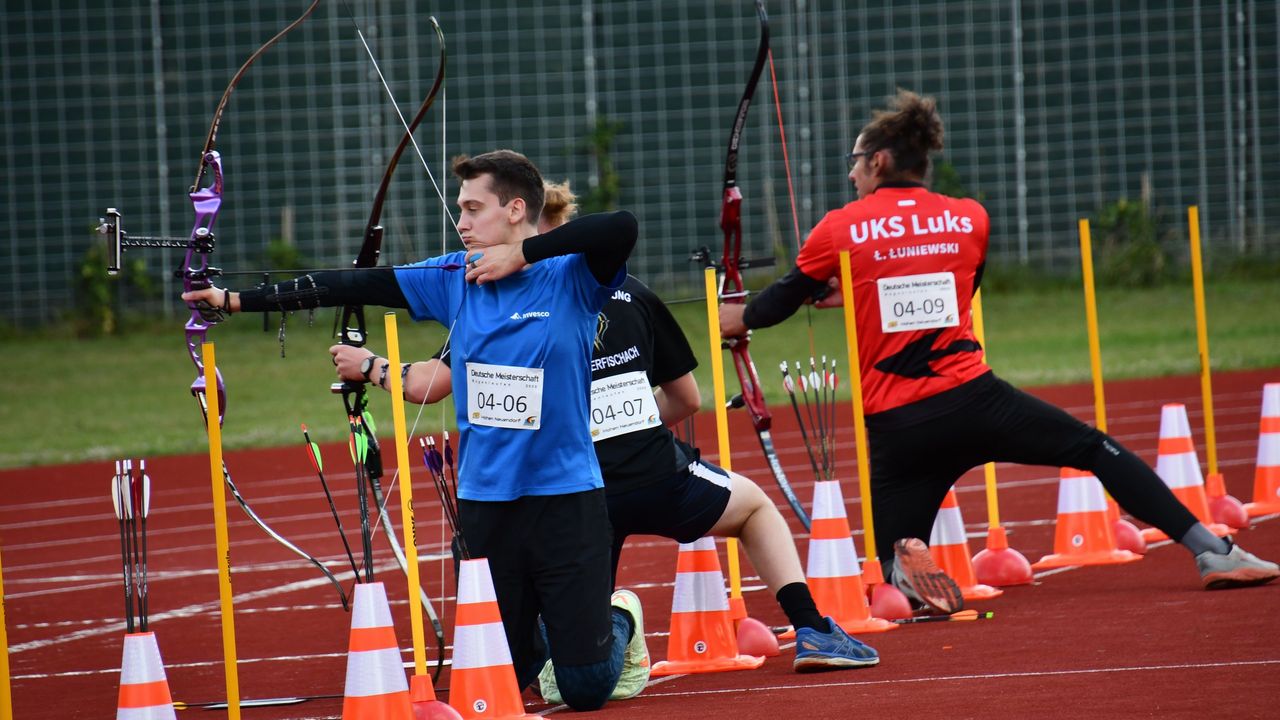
x=797 y=603
x=1199 y=539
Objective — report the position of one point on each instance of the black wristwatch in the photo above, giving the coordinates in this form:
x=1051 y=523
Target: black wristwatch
x=366 y=367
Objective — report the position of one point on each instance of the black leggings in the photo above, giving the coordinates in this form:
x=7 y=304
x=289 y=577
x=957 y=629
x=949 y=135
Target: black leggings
x=913 y=466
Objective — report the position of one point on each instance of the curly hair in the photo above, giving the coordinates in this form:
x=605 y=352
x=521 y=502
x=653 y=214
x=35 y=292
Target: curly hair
x=559 y=205
x=910 y=129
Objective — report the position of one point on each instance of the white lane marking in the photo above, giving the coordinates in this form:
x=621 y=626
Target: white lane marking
x=975 y=676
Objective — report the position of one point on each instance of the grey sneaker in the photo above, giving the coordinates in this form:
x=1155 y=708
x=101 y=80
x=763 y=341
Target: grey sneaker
x=1235 y=569
x=635 y=663
x=921 y=580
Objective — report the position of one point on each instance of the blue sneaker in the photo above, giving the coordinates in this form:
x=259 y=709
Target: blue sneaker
x=836 y=650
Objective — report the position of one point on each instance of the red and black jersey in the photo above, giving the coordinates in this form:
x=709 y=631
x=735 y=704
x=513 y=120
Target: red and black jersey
x=914 y=256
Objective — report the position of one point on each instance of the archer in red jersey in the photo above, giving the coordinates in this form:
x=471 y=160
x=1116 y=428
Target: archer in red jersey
x=934 y=409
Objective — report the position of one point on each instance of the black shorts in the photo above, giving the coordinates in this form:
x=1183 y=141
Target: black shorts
x=684 y=506
x=549 y=556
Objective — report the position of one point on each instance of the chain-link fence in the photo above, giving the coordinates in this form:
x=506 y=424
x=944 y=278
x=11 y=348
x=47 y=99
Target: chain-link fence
x=1054 y=110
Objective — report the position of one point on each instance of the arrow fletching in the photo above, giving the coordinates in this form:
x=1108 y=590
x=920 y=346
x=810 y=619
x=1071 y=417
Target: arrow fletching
x=146 y=487
x=126 y=498
x=115 y=492
x=317 y=462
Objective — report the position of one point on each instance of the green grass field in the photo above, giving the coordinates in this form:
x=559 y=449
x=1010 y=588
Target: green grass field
x=71 y=400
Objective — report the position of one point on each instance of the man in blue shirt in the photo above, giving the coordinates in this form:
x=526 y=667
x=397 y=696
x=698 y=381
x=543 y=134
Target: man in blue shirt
x=521 y=319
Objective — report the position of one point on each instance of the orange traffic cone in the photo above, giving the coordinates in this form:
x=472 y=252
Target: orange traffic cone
x=1177 y=465
x=376 y=687
x=1083 y=535
x=832 y=567
x=482 y=682
x=144 y=689
x=702 y=638
x=1266 y=478
x=949 y=547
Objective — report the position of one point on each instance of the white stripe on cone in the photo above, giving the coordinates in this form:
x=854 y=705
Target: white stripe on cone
x=480 y=646
x=157 y=712
x=699 y=592
x=948 y=528
x=1080 y=494
x=142 y=664
x=375 y=672
x=475 y=582
x=832 y=559
x=141 y=660
x=1178 y=470
x=370 y=606
x=1269 y=442
x=828 y=502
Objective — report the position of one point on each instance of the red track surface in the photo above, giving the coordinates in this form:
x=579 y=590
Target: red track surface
x=1130 y=641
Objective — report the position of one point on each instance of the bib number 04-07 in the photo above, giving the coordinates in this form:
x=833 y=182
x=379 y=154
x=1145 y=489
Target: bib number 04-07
x=504 y=396
x=622 y=404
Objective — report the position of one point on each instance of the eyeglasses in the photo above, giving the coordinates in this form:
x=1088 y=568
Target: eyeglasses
x=853 y=157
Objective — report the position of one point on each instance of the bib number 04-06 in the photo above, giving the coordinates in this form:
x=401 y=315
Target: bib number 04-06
x=504 y=396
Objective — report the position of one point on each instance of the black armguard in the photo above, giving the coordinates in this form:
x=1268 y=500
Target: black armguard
x=331 y=288
x=781 y=299
x=606 y=239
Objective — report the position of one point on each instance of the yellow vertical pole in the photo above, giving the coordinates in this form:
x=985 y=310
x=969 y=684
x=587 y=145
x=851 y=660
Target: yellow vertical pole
x=722 y=415
x=406 y=495
x=988 y=470
x=6 y=689
x=1091 y=322
x=871 y=568
x=216 y=470
x=1202 y=336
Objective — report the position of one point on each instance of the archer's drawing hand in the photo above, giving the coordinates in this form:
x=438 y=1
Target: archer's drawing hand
x=495 y=263
x=731 y=325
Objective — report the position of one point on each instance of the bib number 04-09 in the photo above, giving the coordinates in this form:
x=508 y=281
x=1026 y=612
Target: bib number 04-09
x=918 y=302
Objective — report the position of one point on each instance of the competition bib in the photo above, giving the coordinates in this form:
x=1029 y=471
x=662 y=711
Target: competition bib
x=504 y=396
x=622 y=404
x=918 y=302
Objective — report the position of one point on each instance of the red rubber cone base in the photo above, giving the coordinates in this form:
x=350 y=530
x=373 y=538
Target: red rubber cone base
x=1229 y=511
x=755 y=638
x=1000 y=565
x=1129 y=537
x=422 y=696
x=889 y=603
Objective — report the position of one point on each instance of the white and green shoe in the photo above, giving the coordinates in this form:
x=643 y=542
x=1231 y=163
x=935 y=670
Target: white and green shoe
x=635 y=661
x=547 y=685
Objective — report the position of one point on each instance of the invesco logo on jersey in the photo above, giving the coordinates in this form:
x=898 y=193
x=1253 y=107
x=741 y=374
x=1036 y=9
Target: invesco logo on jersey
x=622 y=295
x=530 y=314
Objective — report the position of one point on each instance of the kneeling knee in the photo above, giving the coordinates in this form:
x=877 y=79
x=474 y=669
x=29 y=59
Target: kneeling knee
x=584 y=697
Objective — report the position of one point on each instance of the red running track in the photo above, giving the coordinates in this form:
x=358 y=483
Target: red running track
x=1130 y=641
